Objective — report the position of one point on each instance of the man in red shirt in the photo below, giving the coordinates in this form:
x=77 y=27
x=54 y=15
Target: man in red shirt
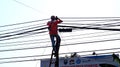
x=53 y=28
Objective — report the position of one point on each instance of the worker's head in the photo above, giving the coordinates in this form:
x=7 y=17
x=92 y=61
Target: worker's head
x=53 y=17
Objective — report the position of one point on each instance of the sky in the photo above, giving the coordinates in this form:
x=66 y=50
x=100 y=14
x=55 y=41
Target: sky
x=18 y=11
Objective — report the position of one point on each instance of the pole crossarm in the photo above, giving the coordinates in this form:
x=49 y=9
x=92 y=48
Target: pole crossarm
x=96 y=28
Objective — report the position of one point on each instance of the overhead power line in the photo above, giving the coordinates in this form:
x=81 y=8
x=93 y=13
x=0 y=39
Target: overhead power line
x=97 y=41
x=60 y=53
x=20 y=61
x=26 y=5
x=74 y=26
x=96 y=24
x=19 y=28
x=20 y=43
x=15 y=61
x=50 y=46
x=98 y=28
x=30 y=34
x=89 y=20
x=105 y=18
x=23 y=23
x=64 y=36
x=23 y=32
x=90 y=17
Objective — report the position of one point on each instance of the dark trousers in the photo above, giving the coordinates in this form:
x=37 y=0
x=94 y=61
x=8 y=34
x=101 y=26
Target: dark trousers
x=56 y=46
x=55 y=39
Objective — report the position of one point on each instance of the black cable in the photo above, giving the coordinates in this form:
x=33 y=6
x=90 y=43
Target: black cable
x=82 y=20
x=90 y=17
x=23 y=32
x=60 y=53
x=23 y=23
x=106 y=25
x=64 y=26
x=17 y=33
x=96 y=24
x=47 y=34
x=105 y=53
x=88 y=20
x=39 y=40
x=26 y=5
x=20 y=61
x=82 y=24
x=14 y=42
x=45 y=41
x=26 y=29
x=94 y=19
x=41 y=59
x=89 y=36
x=64 y=18
x=21 y=44
x=20 y=28
x=23 y=35
x=97 y=41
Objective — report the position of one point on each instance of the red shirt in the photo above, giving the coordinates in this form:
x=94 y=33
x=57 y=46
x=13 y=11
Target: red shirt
x=53 y=26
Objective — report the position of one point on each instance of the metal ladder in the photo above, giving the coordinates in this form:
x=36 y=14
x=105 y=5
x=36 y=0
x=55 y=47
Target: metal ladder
x=56 y=59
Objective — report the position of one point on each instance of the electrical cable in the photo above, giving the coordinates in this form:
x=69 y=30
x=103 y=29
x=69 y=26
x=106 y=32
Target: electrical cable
x=89 y=42
x=64 y=36
x=81 y=20
x=60 y=53
x=39 y=26
x=23 y=41
x=74 y=26
x=12 y=45
x=23 y=23
x=23 y=32
x=61 y=18
x=35 y=27
x=23 y=35
x=97 y=41
x=45 y=41
x=26 y=5
x=88 y=20
x=95 y=24
x=105 y=53
x=19 y=28
x=90 y=17
x=20 y=61
x=22 y=29
x=48 y=55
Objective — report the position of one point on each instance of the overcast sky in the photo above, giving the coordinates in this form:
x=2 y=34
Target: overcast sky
x=18 y=11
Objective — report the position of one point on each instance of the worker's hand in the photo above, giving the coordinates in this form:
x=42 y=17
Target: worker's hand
x=57 y=18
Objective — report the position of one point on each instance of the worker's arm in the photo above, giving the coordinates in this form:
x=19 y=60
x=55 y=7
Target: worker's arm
x=58 y=19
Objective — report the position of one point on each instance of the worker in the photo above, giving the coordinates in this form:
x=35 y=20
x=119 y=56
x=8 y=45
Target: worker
x=53 y=32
